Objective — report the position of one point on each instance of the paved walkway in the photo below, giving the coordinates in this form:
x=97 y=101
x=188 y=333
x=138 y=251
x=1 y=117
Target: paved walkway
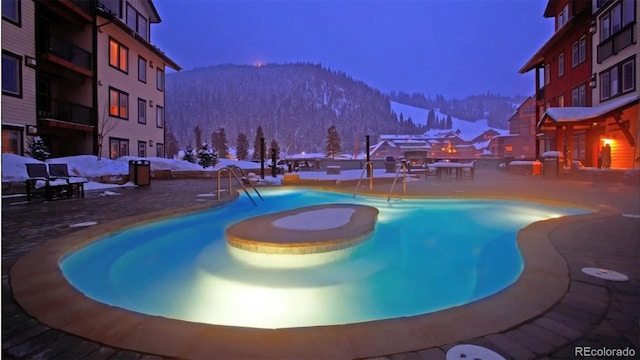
x=592 y=313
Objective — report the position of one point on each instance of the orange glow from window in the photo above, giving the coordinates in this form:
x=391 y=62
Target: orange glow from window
x=508 y=148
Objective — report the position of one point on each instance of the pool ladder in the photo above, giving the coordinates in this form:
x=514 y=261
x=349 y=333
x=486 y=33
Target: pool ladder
x=367 y=165
x=402 y=167
x=230 y=170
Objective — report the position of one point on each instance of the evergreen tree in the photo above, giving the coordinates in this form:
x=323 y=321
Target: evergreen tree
x=198 y=134
x=38 y=149
x=449 y=122
x=431 y=120
x=189 y=155
x=207 y=156
x=274 y=145
x=242 y=147
x=333 y=142
x=220 y=143
x=171 y=145
x=256 y=143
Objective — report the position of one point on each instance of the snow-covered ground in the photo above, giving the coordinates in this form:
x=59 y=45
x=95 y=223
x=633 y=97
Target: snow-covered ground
x=88 y=166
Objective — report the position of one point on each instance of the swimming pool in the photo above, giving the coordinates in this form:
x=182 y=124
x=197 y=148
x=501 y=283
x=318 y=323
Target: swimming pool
x=424 y=256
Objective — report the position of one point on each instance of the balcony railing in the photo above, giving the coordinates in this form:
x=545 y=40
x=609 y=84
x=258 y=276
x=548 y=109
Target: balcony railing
x=49 y=108
x=615 y=43
x=84 y=5
x=65 y=50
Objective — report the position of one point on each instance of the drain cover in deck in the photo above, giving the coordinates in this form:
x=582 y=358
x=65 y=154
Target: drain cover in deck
x=605 y=274
x=472 y=352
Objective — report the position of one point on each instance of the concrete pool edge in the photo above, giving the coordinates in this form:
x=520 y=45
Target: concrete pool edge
x=40 y=287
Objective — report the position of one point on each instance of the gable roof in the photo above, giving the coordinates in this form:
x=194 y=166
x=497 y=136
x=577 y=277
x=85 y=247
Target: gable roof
x=568 y=115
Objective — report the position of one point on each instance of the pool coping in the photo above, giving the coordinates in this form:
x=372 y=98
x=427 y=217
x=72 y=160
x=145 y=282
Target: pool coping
x=39 y=286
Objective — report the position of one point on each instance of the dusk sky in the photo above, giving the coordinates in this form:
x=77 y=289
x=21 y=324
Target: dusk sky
x=455 y=48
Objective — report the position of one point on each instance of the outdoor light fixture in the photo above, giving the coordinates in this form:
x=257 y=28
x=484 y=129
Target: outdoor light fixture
x=150 y=103
x=32 y=130
x=150 y=143
x=592 y=81
x=30 y=61
x=593 y=28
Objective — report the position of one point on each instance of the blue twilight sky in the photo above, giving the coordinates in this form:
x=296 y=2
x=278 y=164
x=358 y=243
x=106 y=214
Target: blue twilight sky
x=451 y=47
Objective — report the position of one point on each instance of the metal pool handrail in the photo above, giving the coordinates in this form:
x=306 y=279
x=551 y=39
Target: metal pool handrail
x=402 y=167
x=364 y=169
x=230 y=171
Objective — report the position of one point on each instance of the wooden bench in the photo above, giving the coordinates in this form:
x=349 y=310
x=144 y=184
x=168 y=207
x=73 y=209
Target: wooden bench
x=61 y=171
x=333 y=170
x=39 y=179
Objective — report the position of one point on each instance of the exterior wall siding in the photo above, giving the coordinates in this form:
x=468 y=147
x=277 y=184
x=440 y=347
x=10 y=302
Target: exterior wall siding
x=21 y=111
x=110 y=77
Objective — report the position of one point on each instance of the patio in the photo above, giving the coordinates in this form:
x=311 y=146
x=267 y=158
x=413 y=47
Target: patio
x=592 y=312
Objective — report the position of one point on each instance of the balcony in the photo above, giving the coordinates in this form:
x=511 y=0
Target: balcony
x=540 y=94
x=615 y=43
x=78 y=11
x=65 y=53
x=54 y=109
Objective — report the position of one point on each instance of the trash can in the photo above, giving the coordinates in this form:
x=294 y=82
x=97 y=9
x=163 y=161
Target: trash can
x=390 y=164
x=140 y=172
x=550 y=167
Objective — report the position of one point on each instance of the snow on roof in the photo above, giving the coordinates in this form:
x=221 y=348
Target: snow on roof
x=573 y=114
x=481 y=144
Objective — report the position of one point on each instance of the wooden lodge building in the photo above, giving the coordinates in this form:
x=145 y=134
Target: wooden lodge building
x=587 y=87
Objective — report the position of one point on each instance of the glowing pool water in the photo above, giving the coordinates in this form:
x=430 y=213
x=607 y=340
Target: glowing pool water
x=424 y=255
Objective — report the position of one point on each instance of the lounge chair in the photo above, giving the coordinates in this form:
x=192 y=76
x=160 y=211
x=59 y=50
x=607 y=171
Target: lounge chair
x=61 y=171
x=39 y=179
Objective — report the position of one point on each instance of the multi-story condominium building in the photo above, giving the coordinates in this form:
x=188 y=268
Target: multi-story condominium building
x=98 y=82
x=520 y=143
x=616 y=79
x=18 y=74
x=584 y=110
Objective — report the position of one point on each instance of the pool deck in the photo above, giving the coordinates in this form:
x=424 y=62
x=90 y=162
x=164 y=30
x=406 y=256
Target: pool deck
x=550 y=311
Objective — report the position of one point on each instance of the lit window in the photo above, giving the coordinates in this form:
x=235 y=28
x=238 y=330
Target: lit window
x=118 y=56
x=118 y=148
x=508 y=148
x=118 y=103
x=12 y=140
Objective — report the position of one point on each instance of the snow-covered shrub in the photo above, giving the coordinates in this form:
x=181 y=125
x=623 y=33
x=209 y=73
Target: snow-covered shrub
x=38 y=149
x=207 y=156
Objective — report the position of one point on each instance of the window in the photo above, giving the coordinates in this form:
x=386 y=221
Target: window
x=142 y=69
x=118 y=56
x=113 y=6
x=118 y=103
x=560 y=64
x=579 y=51
x=137 y=22
x=118 y=148
x=605 y=27
x=547 y=74
x=159 y=116
x=12 y=140
x=616 y=19
x=160 y=79
x=618 y=79
x=579 y=96
x=561 y=100
x=628 y=76
x=160 y=150
x=628 y=12
x=142 y=148
x=508 y=148
x=11 y=74
x=142 y=111
x=11 y=11
x=562 y=17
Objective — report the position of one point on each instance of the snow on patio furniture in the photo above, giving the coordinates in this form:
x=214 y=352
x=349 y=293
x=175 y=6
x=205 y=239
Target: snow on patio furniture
x=61 y=171
x=39 y=179
x=333 y=170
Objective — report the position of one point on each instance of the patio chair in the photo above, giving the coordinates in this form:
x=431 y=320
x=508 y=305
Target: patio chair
x=39 y=178
x=61 y=171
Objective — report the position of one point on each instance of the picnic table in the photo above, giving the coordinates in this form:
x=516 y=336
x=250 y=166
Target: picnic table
x=460 y=169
